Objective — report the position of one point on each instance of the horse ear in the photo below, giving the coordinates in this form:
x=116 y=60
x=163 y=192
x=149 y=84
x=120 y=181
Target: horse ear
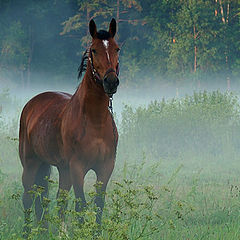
x=93 y=28
x=113 y=28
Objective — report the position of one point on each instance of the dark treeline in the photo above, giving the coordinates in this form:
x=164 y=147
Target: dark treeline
x=162 y=41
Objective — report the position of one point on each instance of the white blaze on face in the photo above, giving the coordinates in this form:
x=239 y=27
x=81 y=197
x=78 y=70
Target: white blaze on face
x=106 y=44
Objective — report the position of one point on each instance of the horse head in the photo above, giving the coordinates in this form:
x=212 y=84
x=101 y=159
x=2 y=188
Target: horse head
x=103 y=56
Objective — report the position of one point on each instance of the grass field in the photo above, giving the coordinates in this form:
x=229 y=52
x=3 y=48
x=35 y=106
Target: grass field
x=170 y=180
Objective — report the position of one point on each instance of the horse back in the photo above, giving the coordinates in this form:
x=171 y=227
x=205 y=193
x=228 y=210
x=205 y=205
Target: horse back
x=39 y=134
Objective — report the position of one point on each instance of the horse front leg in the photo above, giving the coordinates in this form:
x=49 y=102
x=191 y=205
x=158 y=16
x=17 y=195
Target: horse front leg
x=65 y=184
x=103 y=175
x=78 y=173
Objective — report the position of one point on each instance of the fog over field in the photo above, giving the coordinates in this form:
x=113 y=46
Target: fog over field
x=184 y=150
x=137 y=95
x=177 y=110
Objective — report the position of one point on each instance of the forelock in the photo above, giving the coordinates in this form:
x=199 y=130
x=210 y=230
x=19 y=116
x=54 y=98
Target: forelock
x=103 y=35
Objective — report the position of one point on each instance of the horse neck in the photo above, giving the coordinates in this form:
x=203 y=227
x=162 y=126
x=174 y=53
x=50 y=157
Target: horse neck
x=91 y=99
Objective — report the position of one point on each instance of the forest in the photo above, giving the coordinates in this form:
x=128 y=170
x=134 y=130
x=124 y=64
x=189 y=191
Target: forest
x=173 y=42
x=176 y=172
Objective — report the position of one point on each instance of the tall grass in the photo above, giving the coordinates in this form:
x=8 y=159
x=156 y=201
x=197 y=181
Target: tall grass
x=204 y=122
x=176 y=177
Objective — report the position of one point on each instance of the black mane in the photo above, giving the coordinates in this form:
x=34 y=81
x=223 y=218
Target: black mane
x=102 y=35
x=83 y=66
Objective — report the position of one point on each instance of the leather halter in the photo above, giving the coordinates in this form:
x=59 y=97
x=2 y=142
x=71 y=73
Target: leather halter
x=96 y=75
x=98 y=80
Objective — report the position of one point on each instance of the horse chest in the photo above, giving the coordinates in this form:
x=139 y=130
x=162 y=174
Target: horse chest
x=97 y=148
x=92 y=144
x=94 y=148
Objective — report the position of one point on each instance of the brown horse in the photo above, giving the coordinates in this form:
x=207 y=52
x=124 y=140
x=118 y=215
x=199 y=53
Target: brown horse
x=76 y=132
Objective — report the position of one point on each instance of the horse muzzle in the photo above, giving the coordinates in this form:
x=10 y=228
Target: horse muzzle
x=110 y=83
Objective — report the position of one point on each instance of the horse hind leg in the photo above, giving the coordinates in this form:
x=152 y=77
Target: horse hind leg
x=28 y=180
x=41 y=180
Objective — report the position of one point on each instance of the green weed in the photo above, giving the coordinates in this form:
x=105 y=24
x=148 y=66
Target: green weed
x=176 y=177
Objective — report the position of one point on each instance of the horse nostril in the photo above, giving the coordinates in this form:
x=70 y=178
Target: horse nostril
x=111 y=82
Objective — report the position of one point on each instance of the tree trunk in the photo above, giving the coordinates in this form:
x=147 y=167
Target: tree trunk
x=88 y=19
x=227 y=64
x=225 y=20
x=118 y=16
x=195 y=59
x=222 y=12
x=195 y=34
x=228 y=9
x=216 y=11
x=195 y=49
x=30 y=56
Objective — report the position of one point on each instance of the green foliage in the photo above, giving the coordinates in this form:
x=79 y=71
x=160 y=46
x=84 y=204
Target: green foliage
x=188 y=37
x=205 y=123
x=6 y=100
x=29 y=41
x=8 y=132
x=176 y=40
x=14 y=48
x=181 y=193
x=132 y=211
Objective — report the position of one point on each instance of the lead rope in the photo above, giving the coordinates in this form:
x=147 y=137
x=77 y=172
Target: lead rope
x=113 y=124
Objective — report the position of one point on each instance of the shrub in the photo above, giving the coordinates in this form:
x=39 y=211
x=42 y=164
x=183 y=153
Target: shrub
x=202 y=123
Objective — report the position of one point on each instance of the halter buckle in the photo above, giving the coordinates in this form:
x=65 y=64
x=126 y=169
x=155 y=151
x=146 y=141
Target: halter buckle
x=110 y=105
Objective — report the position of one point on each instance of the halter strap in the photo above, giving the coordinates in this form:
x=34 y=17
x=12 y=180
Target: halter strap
x=96 y=75
x=109 y=71
x=98 y=80
x=110 y=107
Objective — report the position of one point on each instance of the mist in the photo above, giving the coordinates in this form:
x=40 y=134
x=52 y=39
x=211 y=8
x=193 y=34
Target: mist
x=177 y=112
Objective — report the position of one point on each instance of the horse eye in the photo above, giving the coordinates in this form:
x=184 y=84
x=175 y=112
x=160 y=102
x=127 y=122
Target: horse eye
x=118 y=49
x=94 y=51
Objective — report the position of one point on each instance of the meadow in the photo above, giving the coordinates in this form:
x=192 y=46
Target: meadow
x=176 y=175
